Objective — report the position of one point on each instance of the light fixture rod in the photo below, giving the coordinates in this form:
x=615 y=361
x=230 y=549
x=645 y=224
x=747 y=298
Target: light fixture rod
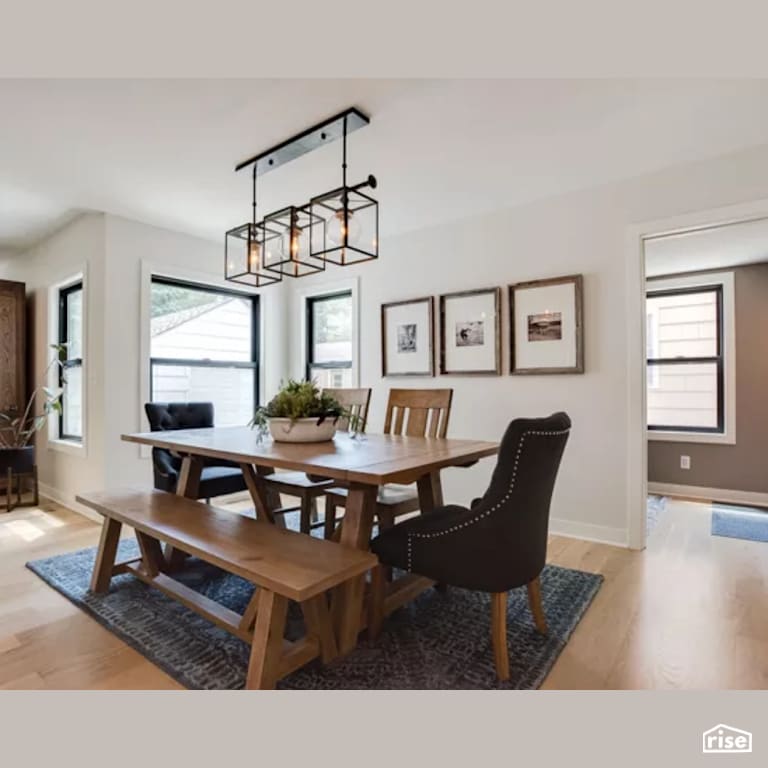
x=308 y=140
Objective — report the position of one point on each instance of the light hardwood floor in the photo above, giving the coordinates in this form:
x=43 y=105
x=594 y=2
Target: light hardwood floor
x=688 y=612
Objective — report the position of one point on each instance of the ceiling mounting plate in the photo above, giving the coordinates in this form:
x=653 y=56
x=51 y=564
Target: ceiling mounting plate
x=323 y=133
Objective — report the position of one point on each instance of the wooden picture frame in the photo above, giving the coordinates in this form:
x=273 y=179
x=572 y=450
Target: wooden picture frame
x=551 y=315
x=395 y=341
x=473 y=330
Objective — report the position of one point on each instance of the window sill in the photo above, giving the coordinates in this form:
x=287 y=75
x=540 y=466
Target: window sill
x=691 y=437
x=72 y=447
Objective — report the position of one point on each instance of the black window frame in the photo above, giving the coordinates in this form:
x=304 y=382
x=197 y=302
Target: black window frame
x=67 y=362
x=255 y=362
x=718 y=359
x=311 y=301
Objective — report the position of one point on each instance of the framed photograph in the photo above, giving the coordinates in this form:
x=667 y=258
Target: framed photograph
x=470 y=332
x=546 y=326
x=407 y=329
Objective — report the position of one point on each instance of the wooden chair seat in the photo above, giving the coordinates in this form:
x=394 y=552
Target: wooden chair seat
x=284 y=565
x=391 y=494
x=293 y=480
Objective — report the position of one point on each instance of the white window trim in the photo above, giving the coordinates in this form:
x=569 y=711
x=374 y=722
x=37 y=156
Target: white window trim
x=726 y=280
x=55 y=443
x=319 y=290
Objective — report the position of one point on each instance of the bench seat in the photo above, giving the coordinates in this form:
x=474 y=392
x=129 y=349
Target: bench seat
x=283 y=564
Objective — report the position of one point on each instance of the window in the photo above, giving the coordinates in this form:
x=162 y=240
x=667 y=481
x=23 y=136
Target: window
x=685 y=360
x=204 y=346
x=329 y=339
x=71 y=372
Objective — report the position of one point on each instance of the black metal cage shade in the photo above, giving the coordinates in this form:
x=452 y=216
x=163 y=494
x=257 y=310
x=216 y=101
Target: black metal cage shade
x=351 y=226
x=296 y=227
x=248 y=251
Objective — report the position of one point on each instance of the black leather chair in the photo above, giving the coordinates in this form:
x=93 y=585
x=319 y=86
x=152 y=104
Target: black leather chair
x=500 y=543
x=218 y=478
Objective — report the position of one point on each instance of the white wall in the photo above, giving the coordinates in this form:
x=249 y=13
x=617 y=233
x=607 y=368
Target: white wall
x=583 y=232
x=77 y=248
x=134 y=252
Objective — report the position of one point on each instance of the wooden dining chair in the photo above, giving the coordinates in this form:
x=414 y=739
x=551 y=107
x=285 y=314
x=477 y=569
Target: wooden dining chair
x=413 y=413
x=308 y=489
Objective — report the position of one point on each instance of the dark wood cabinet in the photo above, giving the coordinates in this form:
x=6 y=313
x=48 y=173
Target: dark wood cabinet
x=12 y=348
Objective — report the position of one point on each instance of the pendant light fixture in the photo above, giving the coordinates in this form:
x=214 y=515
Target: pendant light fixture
x=249 y=250
x=351 y=219
x=339 y=227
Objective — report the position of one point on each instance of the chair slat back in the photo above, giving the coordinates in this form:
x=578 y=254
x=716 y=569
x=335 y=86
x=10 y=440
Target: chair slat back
x=356 y=401
x=418 y=412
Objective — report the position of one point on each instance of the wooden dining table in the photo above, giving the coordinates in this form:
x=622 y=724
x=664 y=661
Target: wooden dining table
x=361 y=464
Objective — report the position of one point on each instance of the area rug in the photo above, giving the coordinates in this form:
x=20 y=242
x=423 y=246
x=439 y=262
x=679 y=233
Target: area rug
x=439 y=641
x=655 y=508
x=739 y=522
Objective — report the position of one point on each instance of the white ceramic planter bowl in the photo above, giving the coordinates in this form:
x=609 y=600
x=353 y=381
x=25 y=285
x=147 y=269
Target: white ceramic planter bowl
x=302 y=430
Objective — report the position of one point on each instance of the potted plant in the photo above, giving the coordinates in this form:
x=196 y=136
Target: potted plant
x=299 y=413
x=17 y=456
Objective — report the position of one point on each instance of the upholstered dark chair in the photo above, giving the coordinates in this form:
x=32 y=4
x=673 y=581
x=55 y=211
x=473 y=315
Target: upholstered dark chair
x=219 y=477
x=500 y=543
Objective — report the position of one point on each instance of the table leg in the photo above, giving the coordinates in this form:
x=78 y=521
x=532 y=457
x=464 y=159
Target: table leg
x=187 y=486
x=347 y=601
x=265 y=499
x=430 y=492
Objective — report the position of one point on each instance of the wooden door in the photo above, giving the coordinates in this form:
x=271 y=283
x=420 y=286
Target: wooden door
x=12 y=355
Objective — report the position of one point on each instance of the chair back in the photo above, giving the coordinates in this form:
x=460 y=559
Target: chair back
x=356 y=402
x=168 y=416
x=513 y=514
x=418 y=412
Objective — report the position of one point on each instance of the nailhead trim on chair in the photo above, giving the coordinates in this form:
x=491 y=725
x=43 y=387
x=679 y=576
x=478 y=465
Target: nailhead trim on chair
x=496 y=506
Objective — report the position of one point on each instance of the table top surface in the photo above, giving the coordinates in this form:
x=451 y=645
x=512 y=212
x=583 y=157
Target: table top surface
x=372 y=459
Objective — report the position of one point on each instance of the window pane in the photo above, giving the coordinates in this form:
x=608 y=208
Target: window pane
x=74 y=310
x=331 y=377
x=682 y=395
x=332 y=329
x=682 y=325
x=72 y=402
x=229 y=389
x=191 y=324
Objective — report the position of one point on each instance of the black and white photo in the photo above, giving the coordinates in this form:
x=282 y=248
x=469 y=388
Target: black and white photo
x=407 y=328
x=406 y=337
x=470 y=332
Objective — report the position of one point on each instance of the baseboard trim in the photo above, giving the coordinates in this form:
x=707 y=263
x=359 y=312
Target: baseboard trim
x=710 y=494
x=54 y=494
x=601 y=534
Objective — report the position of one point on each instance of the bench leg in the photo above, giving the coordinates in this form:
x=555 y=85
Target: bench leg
x=105 y=557
x=267 y=647
x=151 y=554
x=317 y=617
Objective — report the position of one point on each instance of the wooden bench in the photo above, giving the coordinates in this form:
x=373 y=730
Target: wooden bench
x=284 y=566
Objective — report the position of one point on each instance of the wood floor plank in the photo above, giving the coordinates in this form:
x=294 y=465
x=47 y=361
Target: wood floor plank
x=688 y=612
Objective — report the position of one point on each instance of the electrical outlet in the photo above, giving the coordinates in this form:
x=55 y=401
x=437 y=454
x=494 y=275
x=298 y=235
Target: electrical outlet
x=685 y=462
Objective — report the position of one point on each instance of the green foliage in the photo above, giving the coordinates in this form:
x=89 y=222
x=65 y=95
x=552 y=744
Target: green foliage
x=172 y=298
x=17 y=432
x=297 y=400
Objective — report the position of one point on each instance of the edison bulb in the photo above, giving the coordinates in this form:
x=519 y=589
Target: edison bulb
x=254 y=256
x=336 y=229
x=290 y=242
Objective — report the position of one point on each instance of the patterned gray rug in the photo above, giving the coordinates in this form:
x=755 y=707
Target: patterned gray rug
x=440 y=641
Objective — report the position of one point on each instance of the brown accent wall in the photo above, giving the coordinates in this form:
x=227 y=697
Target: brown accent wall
x=743 y=466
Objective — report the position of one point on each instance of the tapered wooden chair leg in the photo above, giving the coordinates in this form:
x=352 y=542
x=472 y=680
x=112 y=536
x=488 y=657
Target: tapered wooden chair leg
x=537 y=609
x=306 y=514
x=499 y=634
x=376 y=602
x=329 y=525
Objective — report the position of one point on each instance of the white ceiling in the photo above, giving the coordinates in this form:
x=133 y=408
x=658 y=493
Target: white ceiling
x=718 y=247
x=163 y=151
